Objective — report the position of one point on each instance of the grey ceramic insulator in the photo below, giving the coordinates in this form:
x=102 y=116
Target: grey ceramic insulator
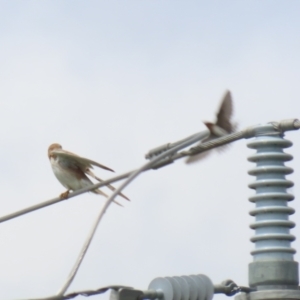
x=273 y=257
x=193 y=287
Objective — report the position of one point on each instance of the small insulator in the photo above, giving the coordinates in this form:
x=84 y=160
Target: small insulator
x=193 y=287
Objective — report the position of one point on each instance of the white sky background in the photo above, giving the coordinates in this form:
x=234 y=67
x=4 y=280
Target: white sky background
x=110 y=81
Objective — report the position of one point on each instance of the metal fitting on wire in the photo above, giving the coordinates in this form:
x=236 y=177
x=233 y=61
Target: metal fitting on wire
x=229 y=288
x=186 y=142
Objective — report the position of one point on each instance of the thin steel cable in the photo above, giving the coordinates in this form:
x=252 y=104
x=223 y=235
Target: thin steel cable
x=73 y=194
x=132 y=176
x=88 y=293
x=249 y=132
x=160 y=149
x=212 y=144
x=58 y=199
x=85 y=293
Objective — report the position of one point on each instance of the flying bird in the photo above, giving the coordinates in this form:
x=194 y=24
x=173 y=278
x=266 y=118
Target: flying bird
x=71 y=171
x=223 y=126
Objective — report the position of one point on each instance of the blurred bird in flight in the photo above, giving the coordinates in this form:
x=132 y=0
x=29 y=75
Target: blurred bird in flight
x=223 y=126
x=71 y=171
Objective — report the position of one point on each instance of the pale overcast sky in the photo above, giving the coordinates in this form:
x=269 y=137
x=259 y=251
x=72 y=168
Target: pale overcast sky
x=110 y=80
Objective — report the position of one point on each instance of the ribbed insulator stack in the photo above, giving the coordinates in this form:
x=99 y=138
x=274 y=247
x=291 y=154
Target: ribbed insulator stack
x=272 y=226
x=193 y=287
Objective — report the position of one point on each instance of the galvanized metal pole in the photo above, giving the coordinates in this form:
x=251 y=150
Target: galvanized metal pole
x=273 y=274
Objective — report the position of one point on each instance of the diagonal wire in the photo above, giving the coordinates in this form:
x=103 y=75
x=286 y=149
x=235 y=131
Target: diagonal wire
x=85 y=293
x=248 y=132
x=88 y=293
x=58 y=199
x=111 y=180
x=78 y=192
x=284 y=125
x=132 y=176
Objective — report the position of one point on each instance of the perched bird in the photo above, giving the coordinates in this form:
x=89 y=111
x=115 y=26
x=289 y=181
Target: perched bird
x=71 y=171
x=223 y=125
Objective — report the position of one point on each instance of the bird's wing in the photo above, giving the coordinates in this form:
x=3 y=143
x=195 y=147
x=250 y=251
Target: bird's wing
x=225 y=112
x=197 y=157
x=83 y=162
x=89 y=172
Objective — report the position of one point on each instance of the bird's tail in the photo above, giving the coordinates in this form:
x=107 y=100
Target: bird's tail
x=99 y=192
x=89 y=172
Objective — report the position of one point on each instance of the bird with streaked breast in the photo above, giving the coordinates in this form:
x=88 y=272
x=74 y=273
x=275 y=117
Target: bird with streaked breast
x=71 y=171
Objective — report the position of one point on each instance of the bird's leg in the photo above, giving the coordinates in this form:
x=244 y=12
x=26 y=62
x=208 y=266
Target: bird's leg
x=64 y=195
